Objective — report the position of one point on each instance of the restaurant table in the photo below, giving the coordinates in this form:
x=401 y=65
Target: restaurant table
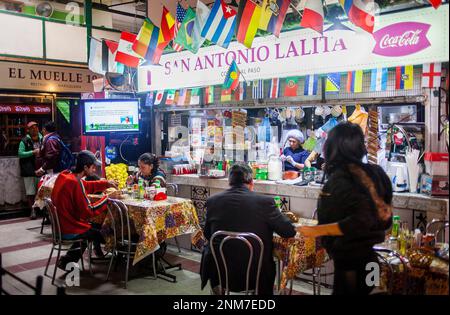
x=297 y=254
x=411 y=279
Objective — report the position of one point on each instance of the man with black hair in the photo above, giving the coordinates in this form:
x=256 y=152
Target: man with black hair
x=70 y=197
x=50 y=150
x=239 y=209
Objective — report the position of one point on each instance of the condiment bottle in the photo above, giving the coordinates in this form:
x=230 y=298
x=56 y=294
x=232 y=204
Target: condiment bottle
x=395 y=227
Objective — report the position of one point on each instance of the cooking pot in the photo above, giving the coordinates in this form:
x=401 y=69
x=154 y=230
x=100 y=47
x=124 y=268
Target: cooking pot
x=290 y=175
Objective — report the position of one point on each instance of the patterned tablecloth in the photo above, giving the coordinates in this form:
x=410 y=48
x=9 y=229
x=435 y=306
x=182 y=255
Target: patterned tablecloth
x=156 y=221
x=298 y=253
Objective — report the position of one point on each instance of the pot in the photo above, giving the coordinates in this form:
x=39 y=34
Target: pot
x=290 y=175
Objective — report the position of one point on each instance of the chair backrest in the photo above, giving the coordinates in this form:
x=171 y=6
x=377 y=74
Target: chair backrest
x=244 y=238
x=54 y=220
x=37 y=289
x=174 y=187
x=123 y=236
x=379 y=251
x=436 y=227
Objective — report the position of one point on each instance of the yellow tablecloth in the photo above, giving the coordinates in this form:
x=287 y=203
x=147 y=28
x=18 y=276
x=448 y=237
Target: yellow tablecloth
x=298 y=253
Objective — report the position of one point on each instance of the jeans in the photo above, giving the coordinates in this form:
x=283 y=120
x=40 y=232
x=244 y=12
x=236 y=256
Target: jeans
x=75 y=253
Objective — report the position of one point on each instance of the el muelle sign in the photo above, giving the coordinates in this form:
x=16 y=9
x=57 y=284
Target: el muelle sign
x=404 y=38
x=21 y=76
x=25 y=109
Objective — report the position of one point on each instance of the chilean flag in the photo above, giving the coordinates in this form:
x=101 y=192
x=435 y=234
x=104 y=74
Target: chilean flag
x=362 y=14
x=435 y=3
x=313 y=15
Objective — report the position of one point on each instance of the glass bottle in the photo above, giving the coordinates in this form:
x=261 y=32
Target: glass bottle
x=395 y=227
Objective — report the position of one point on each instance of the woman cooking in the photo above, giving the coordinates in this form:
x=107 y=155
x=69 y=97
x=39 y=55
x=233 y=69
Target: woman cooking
x=148 y=171
x=294 y=155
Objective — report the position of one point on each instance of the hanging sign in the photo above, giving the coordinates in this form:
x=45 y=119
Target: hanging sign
x=404 y=38
x=25 y=109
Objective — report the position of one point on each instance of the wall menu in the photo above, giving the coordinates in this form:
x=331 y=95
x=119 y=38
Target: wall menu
x=43 y=78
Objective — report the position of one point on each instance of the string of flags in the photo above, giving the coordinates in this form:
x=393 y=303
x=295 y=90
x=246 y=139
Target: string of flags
x=234 y=89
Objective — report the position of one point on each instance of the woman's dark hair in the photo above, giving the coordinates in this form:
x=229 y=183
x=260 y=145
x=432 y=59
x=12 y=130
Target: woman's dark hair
x=344 y=145
x=150 y=159
x=240 y=174
x=50 y=126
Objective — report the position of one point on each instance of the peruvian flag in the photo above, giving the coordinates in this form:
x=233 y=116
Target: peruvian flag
x=362 y=14
x=313 y=15
x=125 y=53
x=431 y=75
x=435 y=3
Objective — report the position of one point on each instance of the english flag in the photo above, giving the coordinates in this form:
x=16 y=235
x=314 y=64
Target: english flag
x=431 y=75
x=313 y=15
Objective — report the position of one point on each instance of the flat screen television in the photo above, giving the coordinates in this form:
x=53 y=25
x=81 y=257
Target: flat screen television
x=103 y=116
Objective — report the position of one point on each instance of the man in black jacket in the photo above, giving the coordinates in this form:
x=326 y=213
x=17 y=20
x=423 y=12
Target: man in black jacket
x=239 y=209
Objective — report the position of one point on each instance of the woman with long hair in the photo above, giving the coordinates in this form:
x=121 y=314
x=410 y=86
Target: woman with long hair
x=149 y=171
x=354 y=209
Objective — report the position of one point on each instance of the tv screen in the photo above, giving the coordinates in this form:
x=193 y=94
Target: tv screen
x=108 y=115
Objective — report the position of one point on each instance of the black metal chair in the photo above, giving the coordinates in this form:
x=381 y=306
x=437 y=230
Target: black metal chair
x=60 y=244
x=436 y=227
x=123 y=240
x=387 y=260
x=243 y=237
x=37 y=289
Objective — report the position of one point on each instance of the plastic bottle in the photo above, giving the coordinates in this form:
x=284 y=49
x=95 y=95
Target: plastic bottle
x=141 y=189
x=278 y=202
x=395 y=226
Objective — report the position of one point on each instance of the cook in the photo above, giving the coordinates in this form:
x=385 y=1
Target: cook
x=294 y=156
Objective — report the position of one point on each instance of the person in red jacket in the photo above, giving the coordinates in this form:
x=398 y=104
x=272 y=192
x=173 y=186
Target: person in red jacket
x=70 y=197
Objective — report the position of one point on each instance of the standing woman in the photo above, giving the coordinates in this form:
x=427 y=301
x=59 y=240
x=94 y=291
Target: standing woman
x=149 y=171
x=294 y=154
x=354 y=209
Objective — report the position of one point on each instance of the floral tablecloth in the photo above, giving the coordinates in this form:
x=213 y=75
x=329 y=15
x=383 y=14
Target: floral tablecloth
x=298 y=253
x=156 y=221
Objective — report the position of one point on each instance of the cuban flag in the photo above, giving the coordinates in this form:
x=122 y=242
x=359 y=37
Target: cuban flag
x=274 y=89
x=378 y=79
x=258 y=89
x=311 y=83
x=220 y=25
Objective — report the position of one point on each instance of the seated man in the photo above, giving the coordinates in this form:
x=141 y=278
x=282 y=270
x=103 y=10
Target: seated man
x=239 y=209
x=74 y=208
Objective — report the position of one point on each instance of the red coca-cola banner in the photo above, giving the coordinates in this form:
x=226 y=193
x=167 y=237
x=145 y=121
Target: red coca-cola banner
x=25 y=109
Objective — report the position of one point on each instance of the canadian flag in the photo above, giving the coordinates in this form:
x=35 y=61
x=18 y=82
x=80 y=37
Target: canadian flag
x=125 y=53
x=435 y=3
x=431 y=75
x=362 y=14
x=313 y=15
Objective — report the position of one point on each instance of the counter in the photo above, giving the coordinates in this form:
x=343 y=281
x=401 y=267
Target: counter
x=12 y=189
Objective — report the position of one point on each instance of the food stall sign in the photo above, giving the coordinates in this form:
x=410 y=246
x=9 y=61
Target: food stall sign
x=404 y=38
x=25 y=109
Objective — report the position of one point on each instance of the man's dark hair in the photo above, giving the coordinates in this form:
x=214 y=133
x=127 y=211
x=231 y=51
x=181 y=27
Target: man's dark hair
x=150 y=159
x=240 y=174
x=84 y=158
x=50 y=126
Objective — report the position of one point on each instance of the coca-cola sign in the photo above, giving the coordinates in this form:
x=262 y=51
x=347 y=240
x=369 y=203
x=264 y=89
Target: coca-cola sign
x=401 y=39
x=26 y=109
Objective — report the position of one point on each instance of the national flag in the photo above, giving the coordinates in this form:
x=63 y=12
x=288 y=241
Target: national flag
x=435 y=3
x=313 y=15
x=333 y=83
x=125 y=53
x=266 y=14
x=220 y=25
x=274 y=88
x=291 y=86
x=258 y=89
x=150 y=99
x=195 y=96
x=431 y=75
x=201 y=16
x=182 y=97
x=186 y=29
x=354 y=81
x=209 y=94
x=404 y=78
x=95 y=57
x=170 y=97
x=167 y=26
x=362 y=14
x=378 y=79
x=181 y=13
x=159 y=97
x=147 y=44
x=225 y=96
x=279 y=9
x=248 y=19
x=109 y=50
x=240 y=93
x=232 y=77
x=311 y=84
x=346 y=5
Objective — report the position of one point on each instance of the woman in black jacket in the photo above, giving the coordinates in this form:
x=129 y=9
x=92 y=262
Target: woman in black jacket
x=354 y=209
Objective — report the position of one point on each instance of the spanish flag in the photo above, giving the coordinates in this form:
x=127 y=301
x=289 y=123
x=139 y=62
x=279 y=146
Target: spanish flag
x=249 y=15
x=404 y=78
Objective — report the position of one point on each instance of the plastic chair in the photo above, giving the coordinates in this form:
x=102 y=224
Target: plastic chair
x=123 y=243
x=58 y=242
x=243 y=237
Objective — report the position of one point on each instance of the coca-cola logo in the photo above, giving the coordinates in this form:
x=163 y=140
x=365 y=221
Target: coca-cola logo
x=23 y=109
x=401 y=39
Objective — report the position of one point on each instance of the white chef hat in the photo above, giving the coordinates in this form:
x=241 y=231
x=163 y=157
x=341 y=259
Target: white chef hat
x=296 y=134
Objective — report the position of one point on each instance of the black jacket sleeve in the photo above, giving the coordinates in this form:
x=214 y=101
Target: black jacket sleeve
x=276 y=220
x=207 y=227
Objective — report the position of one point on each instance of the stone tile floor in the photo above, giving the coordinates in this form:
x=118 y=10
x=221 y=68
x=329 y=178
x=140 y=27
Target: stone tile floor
x=25 y=252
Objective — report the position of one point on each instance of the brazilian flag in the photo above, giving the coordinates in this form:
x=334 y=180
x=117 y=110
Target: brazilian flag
x=184 y=35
